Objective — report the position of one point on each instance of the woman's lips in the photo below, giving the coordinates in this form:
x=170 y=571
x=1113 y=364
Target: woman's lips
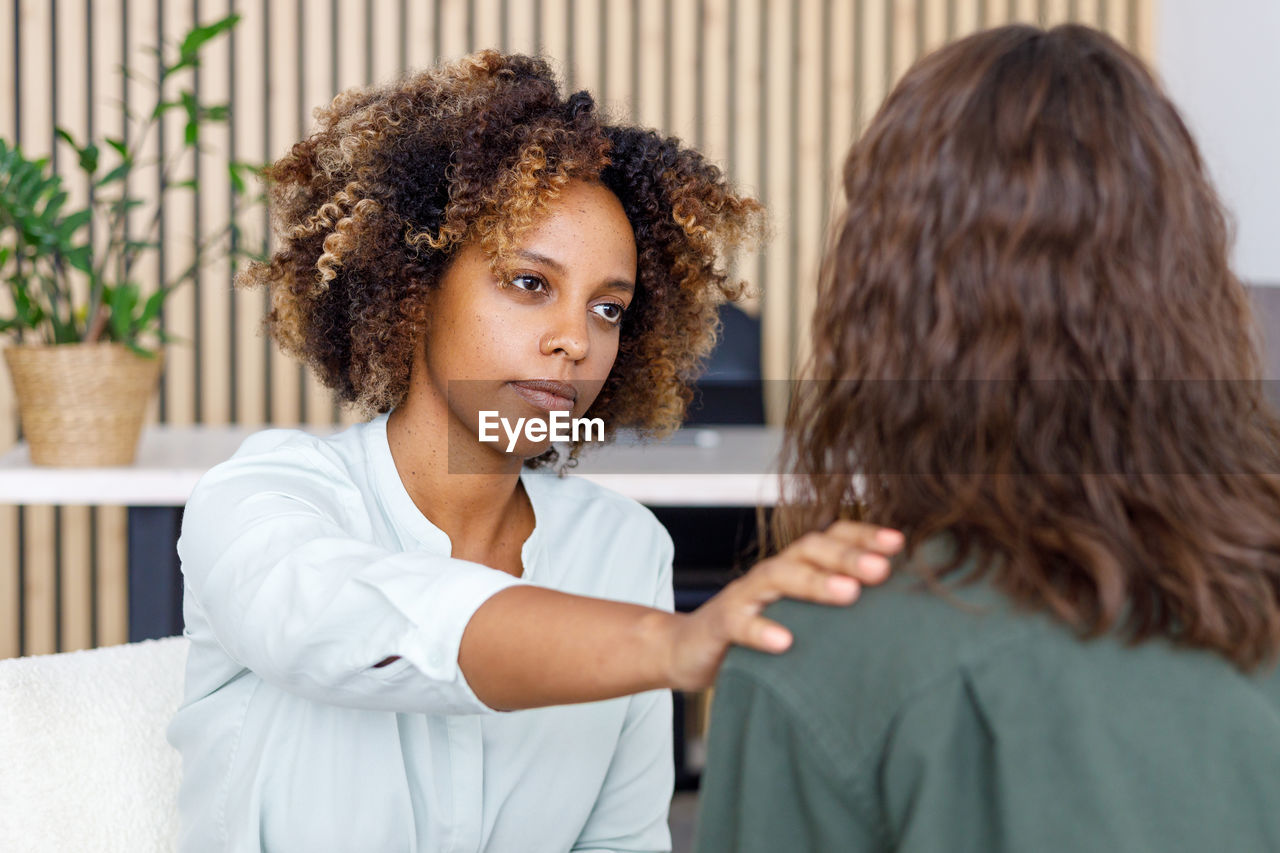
x=547 y=394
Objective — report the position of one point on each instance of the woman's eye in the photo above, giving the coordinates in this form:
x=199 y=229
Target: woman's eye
x=610 y=311
x=530 y=283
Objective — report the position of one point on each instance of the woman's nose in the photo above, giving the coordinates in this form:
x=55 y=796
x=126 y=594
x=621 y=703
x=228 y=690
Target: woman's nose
x=569 y=336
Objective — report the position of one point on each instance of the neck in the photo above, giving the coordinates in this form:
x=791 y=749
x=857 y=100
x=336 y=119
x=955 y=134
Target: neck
x=470 y=491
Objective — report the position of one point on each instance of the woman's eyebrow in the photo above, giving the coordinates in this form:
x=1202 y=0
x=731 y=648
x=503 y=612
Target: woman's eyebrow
x=536 y=258
x=559 y=269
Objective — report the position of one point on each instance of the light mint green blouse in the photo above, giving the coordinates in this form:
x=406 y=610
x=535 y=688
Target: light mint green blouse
x=306 y=563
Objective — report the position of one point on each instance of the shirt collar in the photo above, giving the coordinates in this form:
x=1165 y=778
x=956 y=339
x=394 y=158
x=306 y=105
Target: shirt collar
x=400 y=506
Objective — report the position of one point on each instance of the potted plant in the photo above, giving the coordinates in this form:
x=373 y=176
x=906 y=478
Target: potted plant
x=87 y=333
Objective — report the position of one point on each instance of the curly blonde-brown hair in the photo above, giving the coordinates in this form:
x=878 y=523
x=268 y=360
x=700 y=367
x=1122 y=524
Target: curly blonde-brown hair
x=372 y=206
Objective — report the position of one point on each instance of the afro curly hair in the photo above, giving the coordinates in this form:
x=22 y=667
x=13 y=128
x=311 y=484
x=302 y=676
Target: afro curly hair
x=372 y=206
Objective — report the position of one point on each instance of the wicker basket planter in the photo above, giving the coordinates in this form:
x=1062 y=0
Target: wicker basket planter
x=81 y=405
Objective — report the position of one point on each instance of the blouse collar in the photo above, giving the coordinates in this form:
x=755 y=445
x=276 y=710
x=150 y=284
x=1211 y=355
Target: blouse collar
x=400 y=506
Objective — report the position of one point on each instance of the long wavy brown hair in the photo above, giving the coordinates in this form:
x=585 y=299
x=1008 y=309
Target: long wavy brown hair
x=373 y=205
x=1029 y=339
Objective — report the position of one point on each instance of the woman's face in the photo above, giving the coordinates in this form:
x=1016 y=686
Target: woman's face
x=546 y=338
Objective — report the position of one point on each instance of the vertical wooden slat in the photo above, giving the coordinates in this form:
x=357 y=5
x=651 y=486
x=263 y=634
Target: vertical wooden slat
x=10 y=592
x=682 y=66
x=114 y=43
x=180 y=375
x=35 y=134
x=968 y=16
x=318 y=87
x=8 y=76
x=72 y=557
x=903 y=38
x=113 y=578
x=587 y=70
x=934 y=24
x=714 y=116
x=35 y=71
x=522 y=26
x=68 y=44
x=618 y=94
x=746 y=128
x=779 y=120
x=352 y=58
x=1087 y=12
x=214 y=207
x=555 y=35
x=843 y=54
x=284 y=116
x=453 y=29
x=76 y=598
x=250 y=128
x=487 y=15
x=1143 y=38
x=420 y=30
x=1115 y=18
x=874 y=49
x=649 y=51
x=811 y=200
x=385 y=16
x=39 y=593
x=1057 y=12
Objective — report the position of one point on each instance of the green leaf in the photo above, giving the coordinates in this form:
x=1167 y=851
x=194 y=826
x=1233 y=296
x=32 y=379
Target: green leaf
x=189 y=184
x=151 y=309
x=119 y=173
x=122 y=298
x=81 y=258
x=126 y=203
x=119 y=146
x=201 y=35
x=52 y=206
x=217 y=112
x=65 y=136
x=238 y=185
x=88 y=154
x=89 y=159
x=163 y=107
x=169 y=70
x=191 y=133
x=74 y=222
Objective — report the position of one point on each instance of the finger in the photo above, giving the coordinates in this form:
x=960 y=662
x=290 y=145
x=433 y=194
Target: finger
x=764 y=635
x=784 y=577
x=871 y=537
x=830 y=554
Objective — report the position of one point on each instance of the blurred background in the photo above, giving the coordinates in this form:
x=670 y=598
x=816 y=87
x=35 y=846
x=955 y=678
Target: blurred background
x=772 y=91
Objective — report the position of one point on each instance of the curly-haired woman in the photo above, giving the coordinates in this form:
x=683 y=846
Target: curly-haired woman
x=466 y=240
x=1034 y=353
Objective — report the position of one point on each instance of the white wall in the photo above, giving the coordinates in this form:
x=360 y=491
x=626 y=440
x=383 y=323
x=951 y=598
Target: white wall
x=1220 y=60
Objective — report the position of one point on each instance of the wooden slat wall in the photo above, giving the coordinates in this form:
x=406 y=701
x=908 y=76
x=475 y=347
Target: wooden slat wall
x=773 y=90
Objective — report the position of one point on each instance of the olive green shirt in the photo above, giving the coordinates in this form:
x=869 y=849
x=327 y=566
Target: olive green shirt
x=913 y=723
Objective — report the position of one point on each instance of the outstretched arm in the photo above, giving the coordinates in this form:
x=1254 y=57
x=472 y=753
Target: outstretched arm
x=527 y=646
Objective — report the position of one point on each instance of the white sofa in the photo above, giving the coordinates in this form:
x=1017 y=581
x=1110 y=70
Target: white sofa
x=84 y=764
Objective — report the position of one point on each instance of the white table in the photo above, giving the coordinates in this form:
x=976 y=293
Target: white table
x=723 y=466
x=718 y=467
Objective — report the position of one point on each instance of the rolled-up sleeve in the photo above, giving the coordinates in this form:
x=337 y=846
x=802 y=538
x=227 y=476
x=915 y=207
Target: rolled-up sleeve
x=278 y=557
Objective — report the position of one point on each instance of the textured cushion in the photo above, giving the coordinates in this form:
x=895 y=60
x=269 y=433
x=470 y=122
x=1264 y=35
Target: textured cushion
x=84 y=764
